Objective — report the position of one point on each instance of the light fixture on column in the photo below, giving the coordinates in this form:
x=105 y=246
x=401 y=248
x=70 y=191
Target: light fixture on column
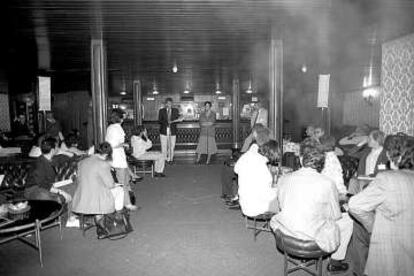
x=154 y=88
x=187 y=89
x=175 y=67
x=249 y=89
x=304 y=68
x=370 y=85
x=218 y=91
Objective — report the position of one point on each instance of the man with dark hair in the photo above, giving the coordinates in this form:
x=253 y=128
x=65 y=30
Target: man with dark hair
x=373 y=160
x=42 y=175
x=309 y=208
x=168 y=117
x=259 y=116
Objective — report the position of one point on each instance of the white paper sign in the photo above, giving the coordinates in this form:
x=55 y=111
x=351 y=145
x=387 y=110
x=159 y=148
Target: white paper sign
x=44 y=94
x=323 y=91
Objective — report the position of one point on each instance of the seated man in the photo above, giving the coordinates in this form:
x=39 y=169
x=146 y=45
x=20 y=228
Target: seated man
x=385 y=209
x=39 y=183
x=372 y=161
x=309 y=208
x=256 y=193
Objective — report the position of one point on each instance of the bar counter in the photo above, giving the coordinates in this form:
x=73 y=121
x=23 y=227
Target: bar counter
x=188 y=133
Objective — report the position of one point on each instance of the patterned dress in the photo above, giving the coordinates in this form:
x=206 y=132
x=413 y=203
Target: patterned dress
x=207 y=141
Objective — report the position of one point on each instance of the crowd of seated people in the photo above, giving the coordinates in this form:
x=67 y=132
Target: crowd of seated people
x=312 y=202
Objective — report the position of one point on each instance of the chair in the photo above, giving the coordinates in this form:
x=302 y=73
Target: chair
x=85 y=222
x=259 y=223
x=300 y=253
x=142 y=166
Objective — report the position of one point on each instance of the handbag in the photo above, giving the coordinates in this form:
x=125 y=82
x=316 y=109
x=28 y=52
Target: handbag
x=113 y=226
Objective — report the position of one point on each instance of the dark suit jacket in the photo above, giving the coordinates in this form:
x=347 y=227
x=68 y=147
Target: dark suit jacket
x=382 y=159
x=42 y=174
x=163 y=120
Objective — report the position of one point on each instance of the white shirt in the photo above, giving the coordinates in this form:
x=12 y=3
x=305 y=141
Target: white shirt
x=115 y=136
x=371 y=160
x=255 y=183
x=139 y=146
x=333 y=170
x=308 y=200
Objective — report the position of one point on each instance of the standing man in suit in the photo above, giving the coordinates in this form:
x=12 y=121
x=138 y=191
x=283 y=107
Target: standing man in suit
x=168 y=118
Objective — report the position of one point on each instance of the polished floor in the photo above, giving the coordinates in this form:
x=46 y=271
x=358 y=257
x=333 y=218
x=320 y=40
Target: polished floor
x=182 y=229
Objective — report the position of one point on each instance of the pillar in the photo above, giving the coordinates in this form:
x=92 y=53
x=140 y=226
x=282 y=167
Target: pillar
x=137 y=99
x=236 y=113
x=276 y=89
x=99 y=90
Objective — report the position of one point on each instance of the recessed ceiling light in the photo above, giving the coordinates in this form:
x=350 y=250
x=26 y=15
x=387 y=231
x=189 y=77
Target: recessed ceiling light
x=218 y=92
x=123 y=93
x=186 y=91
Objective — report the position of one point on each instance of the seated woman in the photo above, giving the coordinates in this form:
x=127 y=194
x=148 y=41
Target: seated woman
x=70 y=145
x=140 y=144
x=385 y=209
x=256 y=194
x=332 y=167
x=97 y=193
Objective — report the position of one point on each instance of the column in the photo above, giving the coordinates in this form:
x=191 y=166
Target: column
x=236 y=113
x=137 y=99
x=276 y=89
x=99 y=90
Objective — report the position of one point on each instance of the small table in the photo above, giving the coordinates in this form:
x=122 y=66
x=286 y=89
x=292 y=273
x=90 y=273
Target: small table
x=43 y=214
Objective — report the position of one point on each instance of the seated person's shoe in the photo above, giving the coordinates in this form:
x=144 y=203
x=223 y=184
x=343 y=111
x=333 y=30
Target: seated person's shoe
x=159 y=175
x=337 y=266
x=232 y=203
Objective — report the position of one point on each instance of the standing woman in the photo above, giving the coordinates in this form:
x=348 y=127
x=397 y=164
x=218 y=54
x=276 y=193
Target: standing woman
x=115 y=136
x=207 y=143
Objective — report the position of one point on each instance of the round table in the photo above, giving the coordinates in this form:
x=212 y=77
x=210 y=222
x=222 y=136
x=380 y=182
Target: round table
x=43 y=214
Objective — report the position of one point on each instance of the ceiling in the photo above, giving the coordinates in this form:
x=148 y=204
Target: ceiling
x=210 y=41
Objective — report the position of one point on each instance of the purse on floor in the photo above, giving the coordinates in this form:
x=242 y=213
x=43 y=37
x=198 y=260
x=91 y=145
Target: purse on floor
x=113 y=226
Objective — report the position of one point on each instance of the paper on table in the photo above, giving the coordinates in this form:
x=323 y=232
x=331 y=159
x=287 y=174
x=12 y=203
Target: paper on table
x=363 y=177
x=62 y=183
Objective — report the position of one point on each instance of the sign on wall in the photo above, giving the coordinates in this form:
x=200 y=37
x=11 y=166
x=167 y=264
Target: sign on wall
x=44 y=94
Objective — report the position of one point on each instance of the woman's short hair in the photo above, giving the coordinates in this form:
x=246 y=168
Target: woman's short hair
x=312 y=157
x=307 y=142
x=399 y=152
x=378 y=136
x=116 y=116
x=138 y=130
x=47 y=145
x=105 y=148
x=271 y=151
x=207 y=103
x=327 y=143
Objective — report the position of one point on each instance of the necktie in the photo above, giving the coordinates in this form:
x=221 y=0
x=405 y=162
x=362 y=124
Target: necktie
x=169 y=114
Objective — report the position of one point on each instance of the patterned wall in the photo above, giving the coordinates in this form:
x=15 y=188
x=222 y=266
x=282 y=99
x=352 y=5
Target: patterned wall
x=4 y=112
x=358 y=112
x=397 y=81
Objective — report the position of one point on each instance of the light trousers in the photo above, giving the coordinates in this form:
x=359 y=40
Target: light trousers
x=122 y=174
x=346 y=226
x=167 y=146
x=118 y=194
x=157 y=157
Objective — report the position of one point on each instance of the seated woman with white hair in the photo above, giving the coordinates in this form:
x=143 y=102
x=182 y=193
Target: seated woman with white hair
x=97 y=193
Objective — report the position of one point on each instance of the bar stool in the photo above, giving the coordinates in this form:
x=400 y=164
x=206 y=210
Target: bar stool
x=259 y=223
x=143 y=166
x=300 y=253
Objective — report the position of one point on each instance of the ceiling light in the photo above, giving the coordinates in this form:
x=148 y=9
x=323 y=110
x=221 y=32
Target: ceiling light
x=249 y=89
x=155 y=92
x=175 y=68
x=186 y=91
x=218 y=88
x=123 y=92
x=304 y=69
x=218 y=91
x=150 y=99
